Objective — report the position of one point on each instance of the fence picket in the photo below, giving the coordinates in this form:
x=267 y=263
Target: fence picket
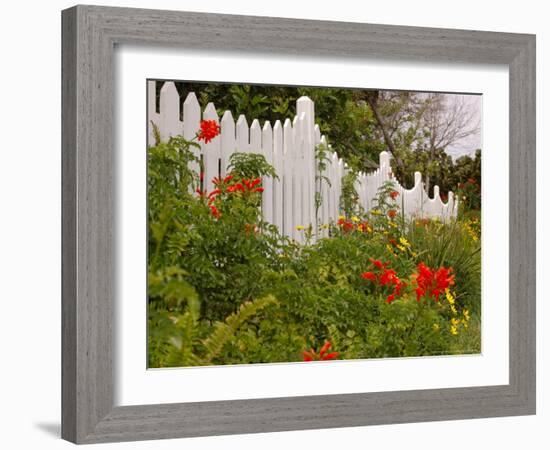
x=278 y=212
x=242 y=134
x=191 y=124
x=267 y=182
x=211 y=151
x=170 y=124
x=227 y=140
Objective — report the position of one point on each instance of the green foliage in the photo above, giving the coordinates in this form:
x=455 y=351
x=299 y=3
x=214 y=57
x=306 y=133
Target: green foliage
x=250 y=165
x=182 y=340
x=349 y=199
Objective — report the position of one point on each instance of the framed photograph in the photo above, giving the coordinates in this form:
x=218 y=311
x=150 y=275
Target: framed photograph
x=278 y=224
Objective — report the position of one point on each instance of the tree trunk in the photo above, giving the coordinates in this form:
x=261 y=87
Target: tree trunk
x=387 y=139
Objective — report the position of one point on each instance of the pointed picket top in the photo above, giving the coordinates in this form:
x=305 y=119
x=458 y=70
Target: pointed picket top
x=169 y=110
x=255 y=137
x=227 y=118
x=317 y=133
x=210 y=112
x=267 y=126
x=242 y=134
x=323 y=140
x=267 y=141
x=191 y=99
x=191 y=116
x=436 y=192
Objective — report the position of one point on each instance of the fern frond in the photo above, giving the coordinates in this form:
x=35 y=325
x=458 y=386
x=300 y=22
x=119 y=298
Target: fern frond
x=224 y=331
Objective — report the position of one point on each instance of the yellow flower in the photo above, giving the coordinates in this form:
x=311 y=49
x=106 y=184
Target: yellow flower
x=435 y=327
x=400 y=247
x=453 y=309
x=455 y=322
x=404 y=242
x=376 y=212
x=414 y=254
x=466 y=315
x=464 y=323
x=454 y=330
x=300 y=227
x=390 y=249
x=355 y=219
x=393 y=225
x=341 y=217
x=449 y=296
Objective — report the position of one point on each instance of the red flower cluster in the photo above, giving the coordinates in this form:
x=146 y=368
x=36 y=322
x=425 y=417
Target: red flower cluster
x=246 y=186
x=432 y=282
x=394 y=194
x=209 y=130
x=216 y=181
x=311 y=355
x=385 y=277
x=346 y=225
x=392 y=213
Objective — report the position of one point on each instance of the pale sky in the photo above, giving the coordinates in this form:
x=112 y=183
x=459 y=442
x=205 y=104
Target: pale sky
x=468 y=145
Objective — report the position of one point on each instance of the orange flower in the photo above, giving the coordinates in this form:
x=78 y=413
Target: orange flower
x=432 y=282
x=311 y=355
x=392 y=213
x=394 y=194
x=209 y=130
x=215 y=212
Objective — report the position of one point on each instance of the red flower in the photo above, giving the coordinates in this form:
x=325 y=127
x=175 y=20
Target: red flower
x=378 y=264
x=472 y=181
x=394 y=194
x=209 y=130
x=251 y=183
x=200 y=192
x=217 y=181
x=387 y=277
x=214 y=193
x=311 y=355
x=346 y=225
x=392 y=213
x=246 y=186
x=215 y=212
x=369 y=276
x=431 y=282
x=236 y=187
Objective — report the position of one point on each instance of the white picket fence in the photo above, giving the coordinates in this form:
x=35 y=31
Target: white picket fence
x=289 y=147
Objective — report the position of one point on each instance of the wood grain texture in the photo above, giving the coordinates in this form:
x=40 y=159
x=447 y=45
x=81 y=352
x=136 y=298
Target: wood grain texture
x=89 y=36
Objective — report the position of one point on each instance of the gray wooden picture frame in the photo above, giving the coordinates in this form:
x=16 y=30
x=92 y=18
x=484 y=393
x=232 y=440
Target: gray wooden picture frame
x=89 y=36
